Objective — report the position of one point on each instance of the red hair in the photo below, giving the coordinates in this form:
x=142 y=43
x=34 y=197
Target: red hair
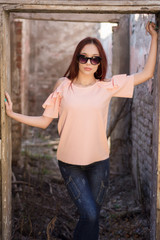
x=72 y=71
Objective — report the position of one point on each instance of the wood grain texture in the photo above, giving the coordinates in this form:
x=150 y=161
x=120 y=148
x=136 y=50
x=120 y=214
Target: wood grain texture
x=158 y=142
x=81 y=6
x=6 y=151
x=74 y=17
x=83 y=3
x=155 y=198
x=75 y=7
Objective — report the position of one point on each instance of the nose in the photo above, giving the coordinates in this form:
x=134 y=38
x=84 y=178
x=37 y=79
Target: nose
x=89 y=61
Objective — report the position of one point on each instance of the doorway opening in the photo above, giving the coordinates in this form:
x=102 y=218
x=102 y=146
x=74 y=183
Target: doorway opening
x=39 y=176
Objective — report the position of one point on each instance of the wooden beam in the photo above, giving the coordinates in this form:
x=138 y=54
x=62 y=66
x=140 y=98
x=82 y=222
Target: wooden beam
x=5 y=167
x=51 y=6
x=83 y=6
x=158 y=158
x=83 y=3
x=82 y=9
x=74 y=17
x=155 y=199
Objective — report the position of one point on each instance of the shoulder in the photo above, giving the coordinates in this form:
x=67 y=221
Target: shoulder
x=59 y=82
x=107 y=80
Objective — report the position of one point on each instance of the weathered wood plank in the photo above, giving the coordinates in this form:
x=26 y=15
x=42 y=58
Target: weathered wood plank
x=5 y=127
x=158 y=159
x=83 y=8
x=84 y=3
x=100 y=7
x=155 y=202
x=1 y=105
x=68 y=17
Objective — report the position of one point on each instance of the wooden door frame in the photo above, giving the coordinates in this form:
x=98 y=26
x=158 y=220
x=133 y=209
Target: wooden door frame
x=72 y=7
x=6 y=150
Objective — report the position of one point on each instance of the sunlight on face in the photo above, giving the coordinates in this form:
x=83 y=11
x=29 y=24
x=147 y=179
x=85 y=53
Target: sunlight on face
x=90 y=50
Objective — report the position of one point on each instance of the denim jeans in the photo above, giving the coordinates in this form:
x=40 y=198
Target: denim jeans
x=87 y=186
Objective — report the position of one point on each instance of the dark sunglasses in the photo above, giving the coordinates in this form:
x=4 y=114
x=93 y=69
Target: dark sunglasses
x=94 y=60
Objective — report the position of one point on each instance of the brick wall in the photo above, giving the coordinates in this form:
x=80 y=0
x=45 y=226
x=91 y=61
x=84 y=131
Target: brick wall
x=19 y=66
x=16 y=60
x=142 y=109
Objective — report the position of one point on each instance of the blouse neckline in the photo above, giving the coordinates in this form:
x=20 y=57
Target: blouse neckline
x=87 y=87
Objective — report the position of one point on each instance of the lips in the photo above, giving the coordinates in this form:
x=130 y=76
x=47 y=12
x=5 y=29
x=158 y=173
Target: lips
x=88 y=69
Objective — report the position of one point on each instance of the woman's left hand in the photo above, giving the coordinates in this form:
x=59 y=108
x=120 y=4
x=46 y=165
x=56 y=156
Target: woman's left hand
x=151 y=28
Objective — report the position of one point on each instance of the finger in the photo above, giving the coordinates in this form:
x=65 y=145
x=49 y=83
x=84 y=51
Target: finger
x=152 y=26
x=6 y=104
x=147 y=27
x=8 y=98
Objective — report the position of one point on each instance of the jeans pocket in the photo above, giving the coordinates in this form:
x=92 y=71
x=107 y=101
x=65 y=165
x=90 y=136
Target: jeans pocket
x=72 y=188
x=101 y=194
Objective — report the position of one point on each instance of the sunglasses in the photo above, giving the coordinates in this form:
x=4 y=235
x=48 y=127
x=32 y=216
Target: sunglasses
x=94 y=60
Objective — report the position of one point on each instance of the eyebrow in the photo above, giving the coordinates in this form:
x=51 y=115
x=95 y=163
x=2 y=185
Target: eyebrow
x=92 y=54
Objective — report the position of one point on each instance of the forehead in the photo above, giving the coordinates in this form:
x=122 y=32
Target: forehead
x=90 y=49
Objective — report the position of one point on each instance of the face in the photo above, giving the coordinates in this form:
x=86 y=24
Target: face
x=89 y=50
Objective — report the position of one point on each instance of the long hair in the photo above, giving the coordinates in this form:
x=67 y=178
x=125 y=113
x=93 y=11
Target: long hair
x=72 y=71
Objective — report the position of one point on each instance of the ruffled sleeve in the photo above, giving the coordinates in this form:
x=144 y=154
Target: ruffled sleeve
x=52 y=103
x=125 y=85
x=120 y=86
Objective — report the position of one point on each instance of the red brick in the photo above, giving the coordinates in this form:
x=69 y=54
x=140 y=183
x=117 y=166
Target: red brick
x=18 y=25
x=18 y=45
x=18 y=59
x=18 y=31
x=19 y=51
x=19 y=65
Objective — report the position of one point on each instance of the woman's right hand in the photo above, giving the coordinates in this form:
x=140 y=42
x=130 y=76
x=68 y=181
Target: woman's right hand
x=41 y=121
x=8 y=104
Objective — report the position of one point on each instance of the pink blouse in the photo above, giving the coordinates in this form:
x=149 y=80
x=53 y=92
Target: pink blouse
x=83 y=113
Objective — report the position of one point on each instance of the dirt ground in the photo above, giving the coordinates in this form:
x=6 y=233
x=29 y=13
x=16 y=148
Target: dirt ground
x=42 y=209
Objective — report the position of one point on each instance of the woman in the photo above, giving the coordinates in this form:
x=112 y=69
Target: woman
x=81 y=100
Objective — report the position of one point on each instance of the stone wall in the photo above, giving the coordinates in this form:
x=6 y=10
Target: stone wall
x=142 y=109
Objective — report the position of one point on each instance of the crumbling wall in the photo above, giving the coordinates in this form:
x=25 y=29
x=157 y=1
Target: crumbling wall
x=52 y=46
x=41 y=53
x=19 y=75
x=120 y=108
x=142 y=109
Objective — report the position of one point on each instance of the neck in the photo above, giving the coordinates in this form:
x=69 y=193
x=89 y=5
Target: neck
x=85 y=80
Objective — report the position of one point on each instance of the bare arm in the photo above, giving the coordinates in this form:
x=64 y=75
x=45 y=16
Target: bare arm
x=149 y=68
x=41 y=121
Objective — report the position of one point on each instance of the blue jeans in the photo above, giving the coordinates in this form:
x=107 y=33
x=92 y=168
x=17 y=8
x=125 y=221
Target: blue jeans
x=87 y=186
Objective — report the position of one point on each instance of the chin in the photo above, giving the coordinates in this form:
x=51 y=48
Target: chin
x=88 y=72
